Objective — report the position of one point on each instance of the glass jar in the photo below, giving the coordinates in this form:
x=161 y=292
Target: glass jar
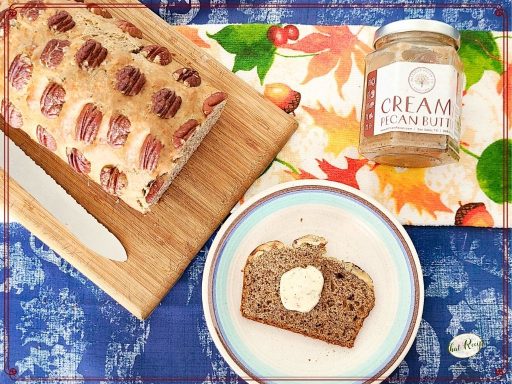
x=412 y=95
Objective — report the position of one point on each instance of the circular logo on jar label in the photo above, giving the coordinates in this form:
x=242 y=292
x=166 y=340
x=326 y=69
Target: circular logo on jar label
x=422 y=80
x=465 y=345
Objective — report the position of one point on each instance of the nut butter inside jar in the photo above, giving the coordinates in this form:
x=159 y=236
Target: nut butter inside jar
x=412 y=95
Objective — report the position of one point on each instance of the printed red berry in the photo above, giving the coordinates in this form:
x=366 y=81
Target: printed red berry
x=277 y=35
x=292 y=32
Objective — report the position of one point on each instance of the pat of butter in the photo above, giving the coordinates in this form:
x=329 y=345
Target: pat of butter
x=300 y=288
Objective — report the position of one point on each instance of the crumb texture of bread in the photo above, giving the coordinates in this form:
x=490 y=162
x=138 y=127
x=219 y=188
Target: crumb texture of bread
x=346 y=299
x=111 y=104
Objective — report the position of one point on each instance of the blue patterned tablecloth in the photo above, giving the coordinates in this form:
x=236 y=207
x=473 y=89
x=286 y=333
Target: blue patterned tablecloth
x=60 y=325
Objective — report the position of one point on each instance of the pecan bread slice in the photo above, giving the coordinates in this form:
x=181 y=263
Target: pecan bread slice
x=346 y=299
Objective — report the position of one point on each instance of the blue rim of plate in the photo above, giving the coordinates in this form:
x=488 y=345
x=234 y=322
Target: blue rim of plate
x=413 y=265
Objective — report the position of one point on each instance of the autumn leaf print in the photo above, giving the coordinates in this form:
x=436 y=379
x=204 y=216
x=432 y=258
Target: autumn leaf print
x=192 y=34
x=345 y=176
x=342 y=131
x=408 y=186
x=334 y=48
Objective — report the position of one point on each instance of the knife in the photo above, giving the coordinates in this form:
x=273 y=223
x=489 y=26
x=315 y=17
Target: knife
x=50 y=195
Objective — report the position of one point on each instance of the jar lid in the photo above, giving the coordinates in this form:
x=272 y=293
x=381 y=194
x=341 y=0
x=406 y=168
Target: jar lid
x=417 y=25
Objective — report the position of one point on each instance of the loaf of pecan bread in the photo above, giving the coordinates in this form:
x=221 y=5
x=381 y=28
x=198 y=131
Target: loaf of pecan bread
x=115 y=107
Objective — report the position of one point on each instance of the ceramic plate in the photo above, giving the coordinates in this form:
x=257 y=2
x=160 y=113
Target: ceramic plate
x=359 y=230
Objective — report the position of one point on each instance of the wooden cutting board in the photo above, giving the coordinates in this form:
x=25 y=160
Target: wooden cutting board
x=162 y=243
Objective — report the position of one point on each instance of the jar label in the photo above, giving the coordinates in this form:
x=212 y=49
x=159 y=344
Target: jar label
x=413 y=97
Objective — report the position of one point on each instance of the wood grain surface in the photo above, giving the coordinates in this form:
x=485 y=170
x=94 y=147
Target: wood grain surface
x=162 y=243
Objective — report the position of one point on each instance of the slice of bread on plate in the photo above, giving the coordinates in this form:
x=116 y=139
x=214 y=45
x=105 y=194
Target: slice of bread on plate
x=276 y=275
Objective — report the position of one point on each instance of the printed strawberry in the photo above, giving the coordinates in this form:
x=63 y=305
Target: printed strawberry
x=292 y=32
x=473 y=215
x=283 y=96
x=277 y=35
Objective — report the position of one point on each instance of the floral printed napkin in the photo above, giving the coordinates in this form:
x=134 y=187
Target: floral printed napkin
x=316 y=73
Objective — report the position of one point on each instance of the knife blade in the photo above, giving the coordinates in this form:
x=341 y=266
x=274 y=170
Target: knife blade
x=80 y=223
